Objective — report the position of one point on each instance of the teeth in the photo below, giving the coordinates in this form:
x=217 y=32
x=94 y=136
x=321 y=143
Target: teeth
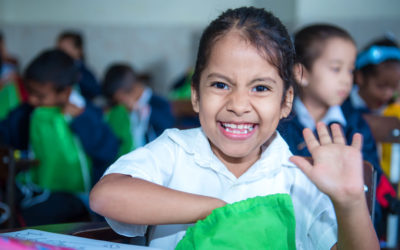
x=238 y=128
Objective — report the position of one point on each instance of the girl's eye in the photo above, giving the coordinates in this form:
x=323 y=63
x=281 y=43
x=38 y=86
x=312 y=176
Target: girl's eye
x=260 y=88
x=219 y=85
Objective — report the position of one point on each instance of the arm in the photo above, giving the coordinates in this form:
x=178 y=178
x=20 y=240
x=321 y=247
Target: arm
x=136 y=201
x=337 y=171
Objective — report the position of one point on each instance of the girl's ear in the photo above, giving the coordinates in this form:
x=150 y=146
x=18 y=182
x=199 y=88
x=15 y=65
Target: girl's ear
x=195 y=99
x=287 y=103
x=300 y=74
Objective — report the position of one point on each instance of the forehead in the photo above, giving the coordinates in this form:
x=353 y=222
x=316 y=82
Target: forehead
x=40 y=88
x=233 y=54
x=339 y=48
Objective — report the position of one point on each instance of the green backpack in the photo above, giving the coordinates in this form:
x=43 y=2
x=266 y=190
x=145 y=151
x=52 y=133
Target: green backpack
x=9 y=99
x=118 y=119
x=263 y=222
x=63 y=165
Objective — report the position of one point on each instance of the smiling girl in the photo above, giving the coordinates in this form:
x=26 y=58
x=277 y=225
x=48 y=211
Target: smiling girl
x=241 y=88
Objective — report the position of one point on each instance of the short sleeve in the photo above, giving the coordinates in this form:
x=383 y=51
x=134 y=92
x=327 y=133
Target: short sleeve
x=153 y=162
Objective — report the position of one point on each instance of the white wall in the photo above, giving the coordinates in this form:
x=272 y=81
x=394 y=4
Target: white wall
x=364 y=19
x=160 y=36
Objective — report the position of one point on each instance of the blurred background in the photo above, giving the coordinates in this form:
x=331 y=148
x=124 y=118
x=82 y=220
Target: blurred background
x=160 y=37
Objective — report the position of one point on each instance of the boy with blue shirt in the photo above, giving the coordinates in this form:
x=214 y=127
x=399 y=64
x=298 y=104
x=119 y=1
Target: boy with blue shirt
x=50 y=79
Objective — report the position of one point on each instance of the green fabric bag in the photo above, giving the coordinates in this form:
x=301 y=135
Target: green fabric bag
x=266 y=222
x=118 y=119
x=9 y=99
x=63 y=165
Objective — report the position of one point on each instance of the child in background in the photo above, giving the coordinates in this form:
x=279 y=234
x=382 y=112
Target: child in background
x=378 y=82
x=72 y=43
x=135 y=107
x=377 y=77
x=53 y=104
x=242 y=87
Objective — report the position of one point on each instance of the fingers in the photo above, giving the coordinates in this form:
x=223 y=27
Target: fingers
x=303 y=164
x=337 y=134
x=357 y=141
x=310 y=139
x=323 y=134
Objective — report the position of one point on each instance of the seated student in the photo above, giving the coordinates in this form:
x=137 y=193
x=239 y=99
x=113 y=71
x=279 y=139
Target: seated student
x=377 y=77
x=61 y=128
x=72 y=43
x=242 y=87
x=326 y=55
x=147 y=114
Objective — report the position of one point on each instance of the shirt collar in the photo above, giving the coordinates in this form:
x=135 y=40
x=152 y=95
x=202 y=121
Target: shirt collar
x=356 y=99
x=334 y=114
x=273 y=156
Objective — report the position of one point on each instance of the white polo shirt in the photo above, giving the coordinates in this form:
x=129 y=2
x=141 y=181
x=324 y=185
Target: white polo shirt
x=183 y=160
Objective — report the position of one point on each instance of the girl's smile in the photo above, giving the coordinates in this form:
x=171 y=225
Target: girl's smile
x=237 y=131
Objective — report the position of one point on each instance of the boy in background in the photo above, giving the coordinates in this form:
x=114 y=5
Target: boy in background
x=135 y=107
x=55 y=115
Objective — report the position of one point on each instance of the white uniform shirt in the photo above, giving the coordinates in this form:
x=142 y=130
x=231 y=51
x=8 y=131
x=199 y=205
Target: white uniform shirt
x=183 y=160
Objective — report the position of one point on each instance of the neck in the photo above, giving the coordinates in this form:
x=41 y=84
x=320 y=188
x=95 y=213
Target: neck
x=370 y=103
x=316 y=109
x=239 y=165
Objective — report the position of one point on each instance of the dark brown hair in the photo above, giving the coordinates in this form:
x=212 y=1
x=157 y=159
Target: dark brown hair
x=261 y=28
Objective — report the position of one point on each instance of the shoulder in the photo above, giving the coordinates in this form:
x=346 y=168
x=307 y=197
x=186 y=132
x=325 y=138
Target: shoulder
x=184 y=139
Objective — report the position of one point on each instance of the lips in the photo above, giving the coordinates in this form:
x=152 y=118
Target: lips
x=237 y=130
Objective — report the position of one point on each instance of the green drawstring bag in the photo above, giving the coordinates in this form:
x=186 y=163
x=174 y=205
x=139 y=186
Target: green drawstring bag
x=63 y=165
x=118 y=119
x=266 y=222
x=9 y=99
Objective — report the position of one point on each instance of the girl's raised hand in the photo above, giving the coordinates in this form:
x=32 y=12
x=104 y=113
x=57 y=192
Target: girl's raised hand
x=337 y=168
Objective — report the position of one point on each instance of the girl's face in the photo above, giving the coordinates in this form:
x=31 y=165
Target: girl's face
x=239 y=100
x=330 y=79
x=378 y=89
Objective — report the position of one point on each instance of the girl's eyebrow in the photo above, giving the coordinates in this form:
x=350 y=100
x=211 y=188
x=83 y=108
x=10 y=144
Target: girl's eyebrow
x=261 y=79
x=219 y=76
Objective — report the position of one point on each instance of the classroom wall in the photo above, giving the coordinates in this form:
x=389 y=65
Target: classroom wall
x=161 y=37
x=364 y=19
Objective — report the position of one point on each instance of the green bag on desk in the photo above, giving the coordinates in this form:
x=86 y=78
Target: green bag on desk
x=266 y=222
x=118 y=119
x=9 y=99
x=63 y=165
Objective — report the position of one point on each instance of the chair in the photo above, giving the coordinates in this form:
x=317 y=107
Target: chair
x=370 y=187
x=9 y=167
x=7 y=180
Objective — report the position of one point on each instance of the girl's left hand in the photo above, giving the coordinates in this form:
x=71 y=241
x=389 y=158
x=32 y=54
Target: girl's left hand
x=337 y=168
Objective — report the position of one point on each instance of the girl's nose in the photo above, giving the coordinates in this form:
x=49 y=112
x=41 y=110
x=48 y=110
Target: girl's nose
x=238 y=103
